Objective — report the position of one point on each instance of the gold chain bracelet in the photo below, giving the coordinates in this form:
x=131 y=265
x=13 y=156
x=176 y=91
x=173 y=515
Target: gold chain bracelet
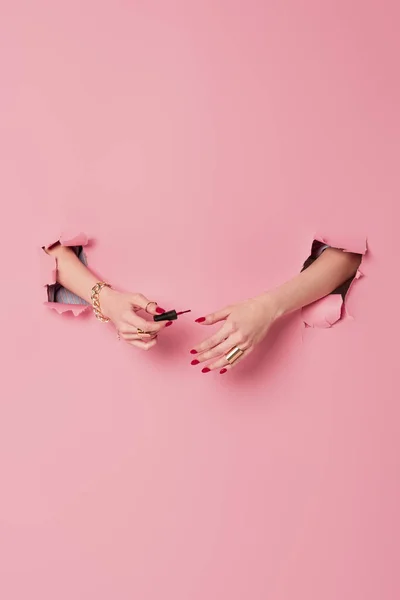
x=96 y=289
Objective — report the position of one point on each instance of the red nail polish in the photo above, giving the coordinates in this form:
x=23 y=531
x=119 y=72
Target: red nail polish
x=193 y=352
x=222 y=371
x=195 y=362
x=201 y=320
x=169 y=323
x=160 y=310
x=205 y=370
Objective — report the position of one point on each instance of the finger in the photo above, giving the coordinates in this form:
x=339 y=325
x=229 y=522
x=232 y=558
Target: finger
x=225 y=366
x=215 y=317
x=144 y=303
x=140 y=301
x=223 y=348
x=222 y=334
x=134 y=322
x=152 y=308
x=143 y=345
x=131 y=337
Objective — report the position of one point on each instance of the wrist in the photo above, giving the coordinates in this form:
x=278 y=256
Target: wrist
x=272 y=302
x=107 y=297
x=288 y=297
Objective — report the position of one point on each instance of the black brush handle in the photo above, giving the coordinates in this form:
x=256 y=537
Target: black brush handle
x=171 y=315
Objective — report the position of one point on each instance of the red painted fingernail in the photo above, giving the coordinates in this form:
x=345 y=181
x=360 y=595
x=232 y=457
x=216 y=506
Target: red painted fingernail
x=201 y=320
x=205 y=370
x=169 y=323
x=193 y=352
x=160 y=310
x=222 y=371
x=195 y=362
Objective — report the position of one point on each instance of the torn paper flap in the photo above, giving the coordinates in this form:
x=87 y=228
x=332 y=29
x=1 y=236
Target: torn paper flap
x=48 y=270
x=76 y=309
x=70 y=239
x=324 y=313
x=357 y=276
x=356 y=243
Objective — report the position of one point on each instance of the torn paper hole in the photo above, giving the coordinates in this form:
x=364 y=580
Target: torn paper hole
x=329 y=310
x=59 y=298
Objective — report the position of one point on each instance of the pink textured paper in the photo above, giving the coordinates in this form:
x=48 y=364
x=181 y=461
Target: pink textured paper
x=201 y=145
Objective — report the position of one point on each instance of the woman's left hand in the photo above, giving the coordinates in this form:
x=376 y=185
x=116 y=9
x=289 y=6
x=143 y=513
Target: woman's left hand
x=244 y=325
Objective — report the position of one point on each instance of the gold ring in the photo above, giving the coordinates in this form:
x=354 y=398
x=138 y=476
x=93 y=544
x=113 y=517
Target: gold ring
x=233 y=355
x=141 y=332
x=148 y=304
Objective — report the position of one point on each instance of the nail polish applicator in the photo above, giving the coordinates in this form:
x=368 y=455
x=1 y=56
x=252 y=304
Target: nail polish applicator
x=171 y=315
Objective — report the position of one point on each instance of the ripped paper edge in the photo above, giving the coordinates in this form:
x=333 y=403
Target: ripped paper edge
x=49 y=272
x=327 y=311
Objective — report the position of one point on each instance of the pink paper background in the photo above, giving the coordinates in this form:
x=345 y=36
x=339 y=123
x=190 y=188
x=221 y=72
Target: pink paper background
x=202 y=144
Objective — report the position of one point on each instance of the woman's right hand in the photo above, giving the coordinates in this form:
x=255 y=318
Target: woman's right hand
x=123 y=308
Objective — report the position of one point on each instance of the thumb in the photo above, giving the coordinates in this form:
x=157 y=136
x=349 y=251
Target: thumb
x=215 y=317
x=150 y=306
